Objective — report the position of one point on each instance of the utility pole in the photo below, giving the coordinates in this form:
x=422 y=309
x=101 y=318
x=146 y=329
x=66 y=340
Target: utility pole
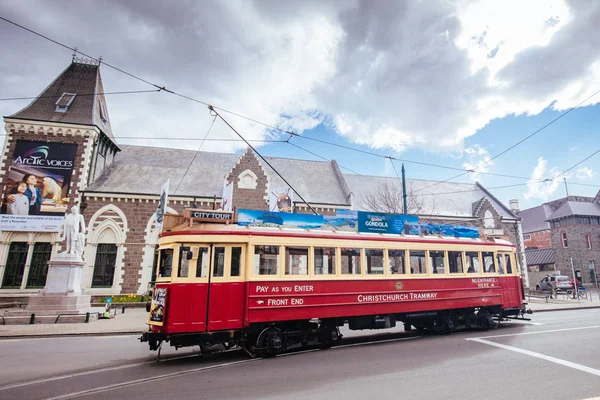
x=404 y=190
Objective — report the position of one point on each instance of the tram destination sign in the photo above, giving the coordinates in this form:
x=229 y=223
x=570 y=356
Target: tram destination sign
x=223 y=217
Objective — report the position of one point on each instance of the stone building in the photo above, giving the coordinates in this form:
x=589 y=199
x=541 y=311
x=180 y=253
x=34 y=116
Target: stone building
x=570 y=226
x=117 y=189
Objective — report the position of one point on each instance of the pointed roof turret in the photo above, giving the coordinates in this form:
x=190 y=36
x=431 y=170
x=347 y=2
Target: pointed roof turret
x=76 y=96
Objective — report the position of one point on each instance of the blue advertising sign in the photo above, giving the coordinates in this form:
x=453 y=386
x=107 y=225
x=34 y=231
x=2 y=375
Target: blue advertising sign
x=385 y=223
x=276 y=219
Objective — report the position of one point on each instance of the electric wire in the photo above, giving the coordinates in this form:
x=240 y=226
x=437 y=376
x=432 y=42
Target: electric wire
x=264 y=159
x=80 y=94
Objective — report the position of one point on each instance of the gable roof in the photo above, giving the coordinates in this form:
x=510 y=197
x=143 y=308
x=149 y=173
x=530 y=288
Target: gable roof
x=571 y=208
x=445 y=198
x=539 y=256
x=82 y=79
x=142 y=170
x=534 y=219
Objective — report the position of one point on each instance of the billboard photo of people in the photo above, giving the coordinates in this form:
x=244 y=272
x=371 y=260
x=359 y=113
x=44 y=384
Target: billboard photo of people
x=38 y=185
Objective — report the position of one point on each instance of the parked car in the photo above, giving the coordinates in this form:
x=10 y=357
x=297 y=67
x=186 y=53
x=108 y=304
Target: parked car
x=560 y=282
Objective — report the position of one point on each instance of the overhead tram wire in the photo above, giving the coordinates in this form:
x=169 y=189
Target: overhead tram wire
x=163 y=88
x=81 y=94
x=522 y=140
x=264 y=159
x=196 y=153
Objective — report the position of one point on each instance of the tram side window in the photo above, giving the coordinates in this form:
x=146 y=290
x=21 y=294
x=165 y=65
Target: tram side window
x=202 y=262
x=436 y=262
x=500 y=262
x=374 y=261
x=184 y=263
x=455 y=261
x=488 y=262
x=219 y=262
x=397 y=261
x=236 y=261
x=324 y=261
x=508 y=265
x=166 y=263
x=351 y=261
x=266 y=260
x=472 y=259
x=418 y=262
x=296 y=260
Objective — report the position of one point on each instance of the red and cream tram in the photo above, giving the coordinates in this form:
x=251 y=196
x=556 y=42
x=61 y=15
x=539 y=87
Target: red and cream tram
x=267 y=289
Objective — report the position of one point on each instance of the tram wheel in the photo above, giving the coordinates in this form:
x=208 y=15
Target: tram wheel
x=269 y=342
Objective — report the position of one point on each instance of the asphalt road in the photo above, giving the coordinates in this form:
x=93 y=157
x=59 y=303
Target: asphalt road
x=555 y=356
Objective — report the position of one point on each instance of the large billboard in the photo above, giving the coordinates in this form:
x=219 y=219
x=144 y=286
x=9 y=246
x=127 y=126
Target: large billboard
x=38 y=185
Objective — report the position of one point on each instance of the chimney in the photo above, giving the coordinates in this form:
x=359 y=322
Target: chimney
x=514 y=205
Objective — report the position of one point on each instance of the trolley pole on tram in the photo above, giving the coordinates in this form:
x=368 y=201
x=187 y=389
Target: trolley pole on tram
x=405 y=209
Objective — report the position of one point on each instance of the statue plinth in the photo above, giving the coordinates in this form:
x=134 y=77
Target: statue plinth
x=62 y=293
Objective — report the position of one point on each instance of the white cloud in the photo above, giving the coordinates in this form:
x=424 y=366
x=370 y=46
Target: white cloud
x=391 y=75
x=536 y=188
x=474 y=159
x=584 y=173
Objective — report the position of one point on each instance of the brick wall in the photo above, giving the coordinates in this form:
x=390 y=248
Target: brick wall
x=255 y=199
x=577 y=249
x=539 y=240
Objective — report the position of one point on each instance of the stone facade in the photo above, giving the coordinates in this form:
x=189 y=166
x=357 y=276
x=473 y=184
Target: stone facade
x=577 y=250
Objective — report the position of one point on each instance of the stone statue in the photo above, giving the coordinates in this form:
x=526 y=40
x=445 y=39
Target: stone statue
x=72 y=231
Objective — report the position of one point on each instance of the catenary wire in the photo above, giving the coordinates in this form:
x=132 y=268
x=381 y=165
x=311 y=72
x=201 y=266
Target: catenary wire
x=211 y=108
x=82 y=94
x=163 y=88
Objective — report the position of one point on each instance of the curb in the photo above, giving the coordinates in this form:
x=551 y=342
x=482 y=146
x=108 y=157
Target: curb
x=81 y=334
x=565 y=309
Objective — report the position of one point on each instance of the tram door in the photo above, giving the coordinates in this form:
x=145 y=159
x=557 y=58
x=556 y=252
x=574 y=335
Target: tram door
x=225 y=296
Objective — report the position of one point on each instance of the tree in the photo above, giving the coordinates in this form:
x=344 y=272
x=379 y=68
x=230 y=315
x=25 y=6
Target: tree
x=387 y=198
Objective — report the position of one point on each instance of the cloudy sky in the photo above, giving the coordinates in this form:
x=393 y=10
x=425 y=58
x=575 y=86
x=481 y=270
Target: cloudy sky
x=451 y=83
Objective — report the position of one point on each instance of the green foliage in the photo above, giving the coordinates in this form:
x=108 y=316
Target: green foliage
x=126 y=298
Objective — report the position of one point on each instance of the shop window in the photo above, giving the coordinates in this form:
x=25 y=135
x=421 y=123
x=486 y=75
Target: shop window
x=397 y=261
x=324 y=261
x=456 y=262
x=38 y=270
x=374 y=261
x=351 y=261
x=104 y=266
x=418 y=262
x=472 y=260
x=296 y=260
x=436 y=262
x=564 y=240
x=266 y=260
x=15 y=265
x=488 y=262
x=236 y=261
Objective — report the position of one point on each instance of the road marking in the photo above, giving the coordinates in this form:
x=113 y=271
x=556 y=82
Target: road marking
x=517 y=322
x=539 y=332
x=106 y=369
x=555 y=360
x=374 y=342
x=107 y=388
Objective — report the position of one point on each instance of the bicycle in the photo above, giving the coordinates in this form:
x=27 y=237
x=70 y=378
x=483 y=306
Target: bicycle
x=581 y=294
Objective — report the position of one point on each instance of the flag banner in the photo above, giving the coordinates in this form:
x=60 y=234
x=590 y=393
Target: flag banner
x=162 y=205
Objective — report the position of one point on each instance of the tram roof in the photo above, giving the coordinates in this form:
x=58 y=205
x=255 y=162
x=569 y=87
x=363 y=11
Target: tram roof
x=233 y=229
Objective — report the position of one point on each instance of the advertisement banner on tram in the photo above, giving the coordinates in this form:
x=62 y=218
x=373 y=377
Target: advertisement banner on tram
x=157 y=308
x=387 y=223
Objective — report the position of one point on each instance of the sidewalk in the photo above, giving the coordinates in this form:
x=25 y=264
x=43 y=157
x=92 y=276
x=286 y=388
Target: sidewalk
x=133 y=321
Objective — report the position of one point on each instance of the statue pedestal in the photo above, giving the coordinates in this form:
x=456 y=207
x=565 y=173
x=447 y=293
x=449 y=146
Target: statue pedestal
x=62 y=293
